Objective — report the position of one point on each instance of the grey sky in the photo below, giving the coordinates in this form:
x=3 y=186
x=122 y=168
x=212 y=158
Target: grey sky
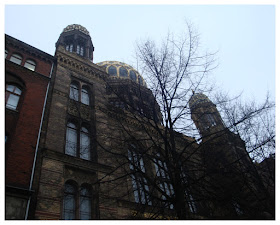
x=244 y=35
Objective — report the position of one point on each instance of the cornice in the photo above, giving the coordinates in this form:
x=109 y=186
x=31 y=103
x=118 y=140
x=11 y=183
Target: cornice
x=79 y=65
x=28 y=49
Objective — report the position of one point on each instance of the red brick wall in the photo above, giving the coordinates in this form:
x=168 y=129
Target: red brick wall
x=23 y=125
x=42 y=67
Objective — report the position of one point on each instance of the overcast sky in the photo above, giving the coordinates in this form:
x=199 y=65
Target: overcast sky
x=244 y=35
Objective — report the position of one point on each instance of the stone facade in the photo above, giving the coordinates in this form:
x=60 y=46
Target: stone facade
x=93 y=119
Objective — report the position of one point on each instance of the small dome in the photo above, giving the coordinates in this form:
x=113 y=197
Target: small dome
x=76 y=27
x=123 y=71
x=198 y=98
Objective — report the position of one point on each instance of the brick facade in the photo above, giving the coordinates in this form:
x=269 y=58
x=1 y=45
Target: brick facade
x=23 y=123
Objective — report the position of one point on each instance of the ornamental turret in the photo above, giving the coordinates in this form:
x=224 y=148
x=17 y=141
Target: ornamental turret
x=205 y=114
x=76 y=39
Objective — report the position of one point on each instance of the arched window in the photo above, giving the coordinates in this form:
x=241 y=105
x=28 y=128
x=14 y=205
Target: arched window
x=30 y=64
x=12 y=96
x=16 y=58
x=71 y=139
x=77 y=141
x=80 y=50
x=69 y=47
x=74 y=91
x=84 y=144
x=112 y=70
x=85 y=202
x=132 y=75
x=85 y=96
x=69 y=203
x=123 y=72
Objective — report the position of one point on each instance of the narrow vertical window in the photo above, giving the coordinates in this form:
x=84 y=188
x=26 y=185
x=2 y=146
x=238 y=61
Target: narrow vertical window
x=85 y=203
x=82 y=51
x=189 y=197
x=85 y=96
x=6 y=53
x=74 y=91
x=71 y=140
x=164 y=180
x=84 y=144
x=30 y=64
x=78 y=49
x=69 y=203
x=12 y=96
x=210 y=119
x=139 y=183
x=16 y=58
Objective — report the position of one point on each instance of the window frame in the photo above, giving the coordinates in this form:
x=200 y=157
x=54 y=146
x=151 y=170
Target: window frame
x=15 y=56
x=74 y=198
x=89 y=197
x=30 y=62
x=139 y=182
x=77 y=143
x=164 y=179
x=79 y=92
x=74 y=93
x=188 y=196
x=80 y=49
x=9 y=93
x=77 y=196
x=85 y=91
x=69 y=47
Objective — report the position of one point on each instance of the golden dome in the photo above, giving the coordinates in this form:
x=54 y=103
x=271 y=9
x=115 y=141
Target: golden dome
x=76 y=27
x=123 y=71
x=198 y=98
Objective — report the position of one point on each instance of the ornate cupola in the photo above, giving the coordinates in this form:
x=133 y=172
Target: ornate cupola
x=205 y=114
x=75 y=38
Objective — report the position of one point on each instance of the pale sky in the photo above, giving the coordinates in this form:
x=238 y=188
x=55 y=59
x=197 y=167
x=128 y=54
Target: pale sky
x=244 y=35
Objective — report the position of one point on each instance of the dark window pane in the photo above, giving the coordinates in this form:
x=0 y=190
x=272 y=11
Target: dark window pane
x=84 y=144
x=112 y=71
x=132 y=75
x=71 y=140
x=123 y=72
x=85 y=96
x=74 y=92
x=85 y=204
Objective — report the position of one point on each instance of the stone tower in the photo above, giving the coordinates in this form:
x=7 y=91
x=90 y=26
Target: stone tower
x=79 y=42
x=205 y=114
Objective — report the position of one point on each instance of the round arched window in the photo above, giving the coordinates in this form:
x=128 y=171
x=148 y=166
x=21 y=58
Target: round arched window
x=123 y=72
x=132 y=75
x=112 y=71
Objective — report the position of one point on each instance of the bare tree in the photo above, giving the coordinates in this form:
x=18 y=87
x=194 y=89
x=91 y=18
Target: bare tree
x=156 y=166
